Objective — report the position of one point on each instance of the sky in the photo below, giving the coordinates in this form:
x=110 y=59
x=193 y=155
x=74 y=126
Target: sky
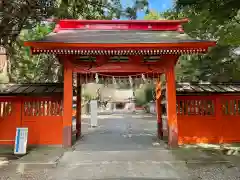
x=156 y=5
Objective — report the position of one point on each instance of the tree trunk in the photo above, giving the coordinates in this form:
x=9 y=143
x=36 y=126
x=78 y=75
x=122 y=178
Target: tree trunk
x=4 y=77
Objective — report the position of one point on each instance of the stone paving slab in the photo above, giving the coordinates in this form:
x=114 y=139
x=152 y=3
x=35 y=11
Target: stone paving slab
x=42 y=155
x=116 y=169
x=80 y=172
x=142 y=155
x=89 y=156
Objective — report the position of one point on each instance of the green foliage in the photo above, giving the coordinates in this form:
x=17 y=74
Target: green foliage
x=140 y=97
x=220 y=64
x=95 y=9
x=153 y=15
x=131 y=12
x=88 y=9
x=37 y=68
x=88 y=97
x=21 y=21
x=219 y=10
x=145 y=94
x=17 y=15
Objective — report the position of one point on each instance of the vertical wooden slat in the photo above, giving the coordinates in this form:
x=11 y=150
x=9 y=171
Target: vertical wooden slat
x=238 y=107
x=42 y=107
x=183 y=107
x=192 y=105
x=234 y=106
x=1 y=108
x=32 y=108
x=195 y=106
x=186 y=107
x=7 y=108
x=4 y=108
x=57 y=108
x=178 y=107
x=47 y=108
x=36 y=108
x=53 y=107
x=205 y=107
x=198 y=107
x=229 y=106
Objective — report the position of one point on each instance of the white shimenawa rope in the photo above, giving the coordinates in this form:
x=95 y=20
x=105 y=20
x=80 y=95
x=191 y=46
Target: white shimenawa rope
x=96 y=78
x=114 y=80
x=132 y=79
x=143 y=78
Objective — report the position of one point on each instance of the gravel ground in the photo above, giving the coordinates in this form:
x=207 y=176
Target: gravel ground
x=225 y=171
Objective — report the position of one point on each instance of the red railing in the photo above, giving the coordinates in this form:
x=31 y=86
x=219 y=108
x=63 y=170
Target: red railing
x=41 y=115
x=208 y=119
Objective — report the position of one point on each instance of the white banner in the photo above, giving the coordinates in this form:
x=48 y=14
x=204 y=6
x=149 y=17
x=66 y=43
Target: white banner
x=21 y=141
x=94 y=113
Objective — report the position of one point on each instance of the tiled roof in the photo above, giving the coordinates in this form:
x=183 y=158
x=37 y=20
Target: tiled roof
x=207 y=88
x=57 y=88
x=30 y=89
x=117 y=36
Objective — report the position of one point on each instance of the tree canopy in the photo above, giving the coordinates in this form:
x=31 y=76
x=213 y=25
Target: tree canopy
x=37 y=68
x=218 y=20
x=16 y=15
x=220 y=64
x=220 y=10
x=152 y=15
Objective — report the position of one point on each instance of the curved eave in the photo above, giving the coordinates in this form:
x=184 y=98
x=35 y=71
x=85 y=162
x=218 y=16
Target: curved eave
x=120 y=49
x=54 y=45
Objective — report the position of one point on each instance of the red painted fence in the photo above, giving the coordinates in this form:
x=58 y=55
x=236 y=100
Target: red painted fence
x=208 y=119
x=42 y=115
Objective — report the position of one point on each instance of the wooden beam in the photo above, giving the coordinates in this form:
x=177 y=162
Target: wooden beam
x=118 y=67
x=100 y=60
x=135 y=59
x=67 y=104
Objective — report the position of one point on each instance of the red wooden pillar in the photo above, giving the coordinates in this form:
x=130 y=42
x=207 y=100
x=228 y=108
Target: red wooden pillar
x=67 y=104
x=158 y=110
x=171 y=107
x=79 y=107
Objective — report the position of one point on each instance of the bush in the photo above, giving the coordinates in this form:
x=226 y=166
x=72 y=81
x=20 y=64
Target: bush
x=145 y=94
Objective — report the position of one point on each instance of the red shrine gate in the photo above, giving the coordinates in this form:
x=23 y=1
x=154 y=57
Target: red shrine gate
x=99 y=40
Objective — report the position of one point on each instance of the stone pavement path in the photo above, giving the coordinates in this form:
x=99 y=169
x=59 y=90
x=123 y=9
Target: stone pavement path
x=123 y=146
